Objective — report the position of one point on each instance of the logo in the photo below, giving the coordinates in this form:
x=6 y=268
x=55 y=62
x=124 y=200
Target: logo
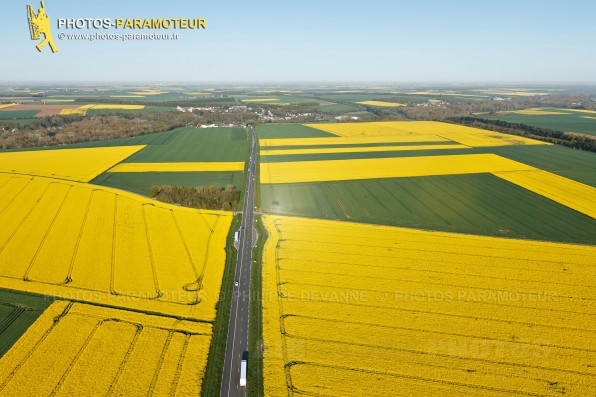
x=40 y=24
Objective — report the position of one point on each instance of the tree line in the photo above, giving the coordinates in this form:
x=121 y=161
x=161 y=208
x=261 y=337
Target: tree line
x=212 y=197
x=575 y=141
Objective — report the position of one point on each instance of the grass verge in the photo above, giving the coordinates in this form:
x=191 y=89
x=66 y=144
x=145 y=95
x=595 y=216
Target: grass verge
x=255 y=326
x=257 y=202
x=215 y=361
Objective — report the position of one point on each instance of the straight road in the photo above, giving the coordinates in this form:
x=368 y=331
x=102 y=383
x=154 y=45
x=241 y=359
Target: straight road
x=237 y=342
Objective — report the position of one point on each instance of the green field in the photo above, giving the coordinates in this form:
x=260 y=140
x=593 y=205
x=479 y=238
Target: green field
x=360 y=114
x=475 y=203
x=271 y=130
x=574 y=122
x=337 y=108
x=571 y=163
x=195 y=144
x=141 y=182
x=18 y=311
x=187 y=144
x=365 y=155
x=179 y=144
x=17 y=114
x=146 y=109
x=281 y=100
x=357 y=97
x=116 y=96
x=353 y=145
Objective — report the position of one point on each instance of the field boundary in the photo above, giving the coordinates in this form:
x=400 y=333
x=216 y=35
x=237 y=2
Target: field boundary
x=214 y=370
x=255 y=327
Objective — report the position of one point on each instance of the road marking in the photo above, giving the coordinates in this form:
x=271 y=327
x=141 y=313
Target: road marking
x=243 y=254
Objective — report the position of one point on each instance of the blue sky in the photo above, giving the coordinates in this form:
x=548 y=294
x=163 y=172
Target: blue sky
x=323 y=40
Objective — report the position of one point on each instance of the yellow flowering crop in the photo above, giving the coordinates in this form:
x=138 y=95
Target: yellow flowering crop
x=179 y=167
x=148 y=92
x=474 y=137
x=83 y=109
x=405 y=137
x=581 y=111
x=337 y=170
x=260 y=100
x=78 y=349
x=2 y=106
x=71 y=164
x=381 y=103
x=515 y=93
x=349 y=308
x=536 y=112
x=360 y=149
x=73 y=112
x=103 y=245
x=570 y=193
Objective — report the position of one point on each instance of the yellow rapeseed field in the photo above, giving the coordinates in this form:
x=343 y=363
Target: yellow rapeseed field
x=82 y=111
x=337 y=170
x=405 y=137
x=441 y=93
x=514 y=93
x=260 y=100
x=360 y=149
x=72 y=164
x=148 y=92
x=2 y=106
x=381 y=103
x=367 y=129
x=98 y=244
x=179 y=167
x=581 y=111
x=354 y=309
x=83 y=350
x=588 y=117
x=536 y=112
x=125 y=107
x=570 y=193
x=474 y=137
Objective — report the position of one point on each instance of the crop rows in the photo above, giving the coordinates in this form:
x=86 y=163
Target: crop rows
x=212 y=166
x=78 y=349
x=337 y=170
x=424 y=313
x=284 y=152
x=468 y=136
x=570 y=193
x=99 y=244
x=72 y=164
x=565 y=120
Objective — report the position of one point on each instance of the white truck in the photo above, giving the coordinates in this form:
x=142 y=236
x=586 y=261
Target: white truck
x=243 y=373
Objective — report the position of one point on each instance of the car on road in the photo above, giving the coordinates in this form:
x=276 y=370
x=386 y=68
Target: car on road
x=236 y=284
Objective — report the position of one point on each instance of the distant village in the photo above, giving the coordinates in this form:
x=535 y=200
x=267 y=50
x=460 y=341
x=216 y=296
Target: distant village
x=263 y=114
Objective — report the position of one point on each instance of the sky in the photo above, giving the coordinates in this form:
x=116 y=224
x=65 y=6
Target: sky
x=315 y=41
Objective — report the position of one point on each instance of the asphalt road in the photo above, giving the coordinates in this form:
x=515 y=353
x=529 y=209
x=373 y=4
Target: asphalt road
x=237 y=342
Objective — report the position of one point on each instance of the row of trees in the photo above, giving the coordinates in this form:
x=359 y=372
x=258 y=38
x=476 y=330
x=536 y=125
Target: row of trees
x=59 y=130
x=211 y=197
x=562 y=138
